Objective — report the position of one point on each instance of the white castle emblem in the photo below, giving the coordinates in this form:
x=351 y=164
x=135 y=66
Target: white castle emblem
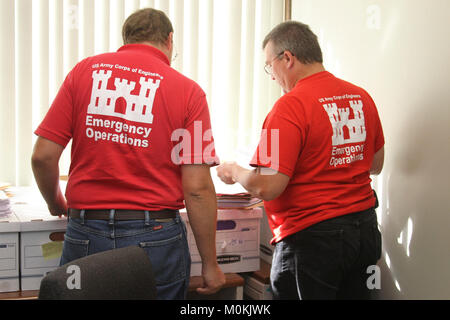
x=339 y=119
x=138 y=107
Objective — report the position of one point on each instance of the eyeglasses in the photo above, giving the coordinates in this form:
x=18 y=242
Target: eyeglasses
x=268 y=66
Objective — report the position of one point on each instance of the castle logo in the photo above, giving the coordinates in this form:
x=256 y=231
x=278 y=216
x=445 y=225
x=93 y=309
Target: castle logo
x=120 y=102
x=346 y=130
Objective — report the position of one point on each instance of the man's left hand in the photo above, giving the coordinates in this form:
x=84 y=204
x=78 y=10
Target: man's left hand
x=225 y=172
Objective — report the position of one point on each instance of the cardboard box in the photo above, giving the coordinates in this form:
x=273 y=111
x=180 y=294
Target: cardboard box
x=256 y=290
x=9 y=253
x=237 y=241
x=37 y=229
x=266 y=235
x=257 y=284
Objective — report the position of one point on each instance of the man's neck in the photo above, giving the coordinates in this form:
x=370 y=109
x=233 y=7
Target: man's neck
x=310 y=69
x=159 y=47
x=303 y=71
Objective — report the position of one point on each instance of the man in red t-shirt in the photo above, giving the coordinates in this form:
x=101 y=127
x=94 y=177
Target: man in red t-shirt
x=320 y=143
x=141 y=145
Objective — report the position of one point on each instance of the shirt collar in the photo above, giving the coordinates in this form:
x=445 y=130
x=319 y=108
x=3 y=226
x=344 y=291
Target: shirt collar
x=147 y=49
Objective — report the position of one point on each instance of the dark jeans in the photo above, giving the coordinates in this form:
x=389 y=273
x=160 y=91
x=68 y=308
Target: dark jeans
x=328 y=260
x=165 y=243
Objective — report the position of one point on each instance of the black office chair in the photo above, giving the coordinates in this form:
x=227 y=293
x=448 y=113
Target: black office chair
x=119 y=274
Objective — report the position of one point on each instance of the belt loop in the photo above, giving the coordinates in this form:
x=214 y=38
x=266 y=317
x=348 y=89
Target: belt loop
x=82 y=216
x=111 y=216
x=147 y=218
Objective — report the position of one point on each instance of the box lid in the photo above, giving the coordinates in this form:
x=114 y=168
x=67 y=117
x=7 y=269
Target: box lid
x=32 y=212
x=36 y=218
x=232 y=214
x=9 y=223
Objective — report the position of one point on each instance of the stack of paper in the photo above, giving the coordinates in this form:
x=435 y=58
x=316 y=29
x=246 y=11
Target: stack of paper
x=5 y=206
x=4 y=185
x=237 y=200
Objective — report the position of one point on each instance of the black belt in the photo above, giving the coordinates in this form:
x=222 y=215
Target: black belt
x=120 y=214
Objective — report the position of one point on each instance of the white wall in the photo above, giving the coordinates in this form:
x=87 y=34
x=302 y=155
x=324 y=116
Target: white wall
x=399 y=52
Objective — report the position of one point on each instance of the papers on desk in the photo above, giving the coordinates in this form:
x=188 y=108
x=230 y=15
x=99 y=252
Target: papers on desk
x=238 y=200
x=5 y=205
x=28 y=204
x=4 y=185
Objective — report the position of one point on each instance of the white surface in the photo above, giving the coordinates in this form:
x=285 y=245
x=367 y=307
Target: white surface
x=9 y=223
x=9 y=253
x=9 y=285
x=33 y=266
x=398 y=51
x=241 y=242
x=31 y=209
x=9 y=261
x=34 y=224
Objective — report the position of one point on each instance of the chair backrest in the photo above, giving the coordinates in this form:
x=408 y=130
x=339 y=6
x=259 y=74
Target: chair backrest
x=118 y=274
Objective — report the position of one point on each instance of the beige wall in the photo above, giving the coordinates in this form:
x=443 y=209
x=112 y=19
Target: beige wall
x=399 y=52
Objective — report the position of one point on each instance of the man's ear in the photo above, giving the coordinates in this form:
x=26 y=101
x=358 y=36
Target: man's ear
x=289 y=58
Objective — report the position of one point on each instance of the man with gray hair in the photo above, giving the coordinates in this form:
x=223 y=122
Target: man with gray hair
x=121 y=109
x=328 y=140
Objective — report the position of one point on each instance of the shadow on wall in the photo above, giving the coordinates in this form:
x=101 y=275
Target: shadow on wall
x=415 y=207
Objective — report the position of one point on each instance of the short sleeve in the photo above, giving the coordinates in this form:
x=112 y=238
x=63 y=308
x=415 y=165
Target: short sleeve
x=197 y=134
x=279 y=146
x=379 y=135
x=57 y=124
x=377 y=127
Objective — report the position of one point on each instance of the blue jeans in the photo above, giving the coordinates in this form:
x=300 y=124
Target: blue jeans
x=165 y=243
x=328 y=260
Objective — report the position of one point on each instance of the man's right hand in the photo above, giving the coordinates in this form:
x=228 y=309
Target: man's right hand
x=213 y=279
x=201 y=206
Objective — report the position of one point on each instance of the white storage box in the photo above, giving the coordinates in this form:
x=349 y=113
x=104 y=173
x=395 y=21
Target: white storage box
x=256 y=290
x=237 y=241
x=37 y=228
x=9 y=253
x=266 y=235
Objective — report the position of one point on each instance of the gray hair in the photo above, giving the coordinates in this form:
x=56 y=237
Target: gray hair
x=297 y=38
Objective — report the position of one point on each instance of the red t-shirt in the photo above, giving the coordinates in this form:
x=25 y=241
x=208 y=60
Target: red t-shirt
x=323 y=134
x=134 y=120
